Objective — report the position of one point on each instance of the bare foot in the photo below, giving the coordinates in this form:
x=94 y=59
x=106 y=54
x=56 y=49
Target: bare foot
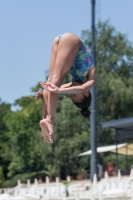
x=47 y=130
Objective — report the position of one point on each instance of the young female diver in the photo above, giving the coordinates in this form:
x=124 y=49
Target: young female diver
x=69 y=54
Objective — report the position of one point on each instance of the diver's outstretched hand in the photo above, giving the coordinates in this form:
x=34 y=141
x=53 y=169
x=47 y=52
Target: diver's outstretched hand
x=38 y=95
x=50 y=87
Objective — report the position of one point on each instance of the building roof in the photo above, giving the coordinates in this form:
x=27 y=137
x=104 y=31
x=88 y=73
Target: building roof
x=103 y=149
x=123 y=149
x=120 y=123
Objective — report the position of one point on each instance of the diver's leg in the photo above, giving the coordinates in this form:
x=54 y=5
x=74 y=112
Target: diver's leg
x=66 y=53
x=51 y=70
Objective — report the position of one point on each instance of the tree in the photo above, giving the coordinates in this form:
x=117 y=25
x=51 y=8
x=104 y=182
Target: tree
x=5 y=153
x=2 y=178
x=26 y=142
x=114 y=64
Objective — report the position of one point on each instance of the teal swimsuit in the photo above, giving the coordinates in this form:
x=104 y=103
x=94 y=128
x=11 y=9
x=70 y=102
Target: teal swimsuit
x=82 y=64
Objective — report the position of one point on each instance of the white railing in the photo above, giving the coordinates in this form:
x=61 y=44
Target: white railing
x=108 y=188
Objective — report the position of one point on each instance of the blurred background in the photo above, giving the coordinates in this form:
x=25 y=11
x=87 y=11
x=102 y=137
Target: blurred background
x=27 y=31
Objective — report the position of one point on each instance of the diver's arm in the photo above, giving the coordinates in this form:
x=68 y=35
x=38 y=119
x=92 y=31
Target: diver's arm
x=66 y=85
x=74 y=89
x=92 y=74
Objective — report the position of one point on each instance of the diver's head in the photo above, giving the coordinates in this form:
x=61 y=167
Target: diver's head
x=82 y=101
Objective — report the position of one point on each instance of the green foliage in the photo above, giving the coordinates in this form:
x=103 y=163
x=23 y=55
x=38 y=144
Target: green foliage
x=26 y=139
x=36 y=88
x=72 y=135
x=2 y=178
x=114 y=64
x=22 y=177
x=24 y=152
x=5 y=137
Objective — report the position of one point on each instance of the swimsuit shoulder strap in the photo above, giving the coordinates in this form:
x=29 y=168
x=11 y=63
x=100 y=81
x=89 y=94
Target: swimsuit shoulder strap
x=59 y=36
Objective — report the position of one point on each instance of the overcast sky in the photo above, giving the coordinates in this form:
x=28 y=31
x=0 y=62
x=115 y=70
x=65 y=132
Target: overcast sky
x=28 y=27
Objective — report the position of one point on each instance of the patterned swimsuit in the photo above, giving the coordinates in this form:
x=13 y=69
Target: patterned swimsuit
x=82 y=64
